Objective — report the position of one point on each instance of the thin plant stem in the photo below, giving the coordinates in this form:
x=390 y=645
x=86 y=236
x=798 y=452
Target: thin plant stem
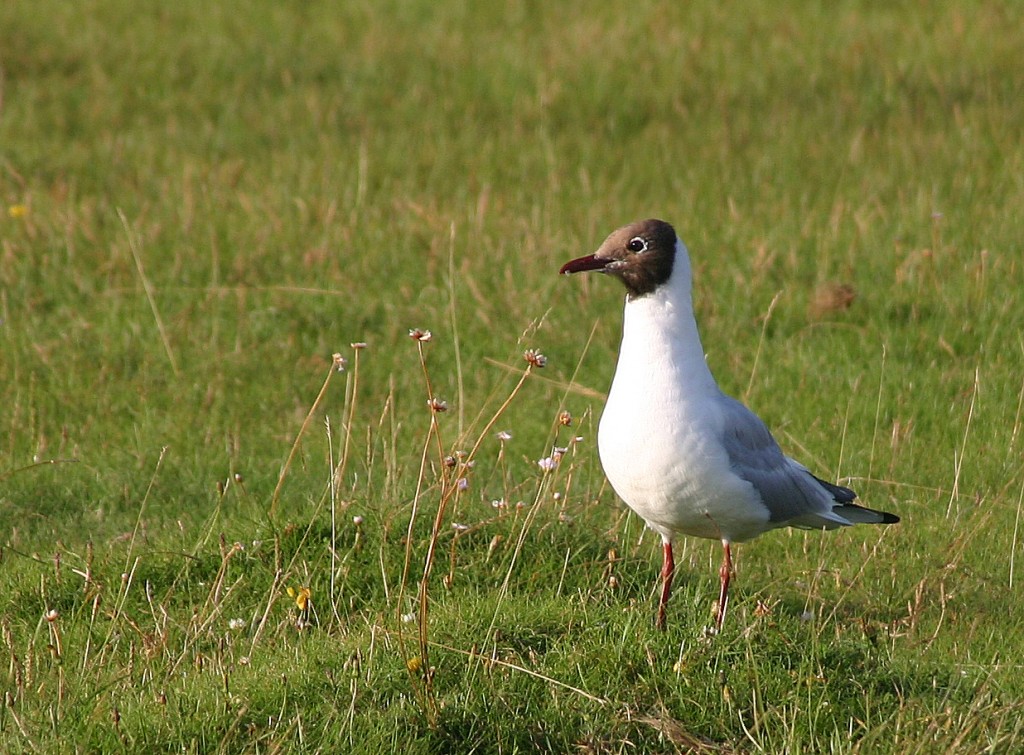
x=150 y=296
x=449 y=490
x=298 y=438
x=350 y=418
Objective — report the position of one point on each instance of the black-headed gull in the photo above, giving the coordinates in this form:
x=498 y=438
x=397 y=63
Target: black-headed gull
x=684 y=456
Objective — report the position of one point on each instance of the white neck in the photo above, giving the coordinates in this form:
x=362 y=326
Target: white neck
x=659 y=333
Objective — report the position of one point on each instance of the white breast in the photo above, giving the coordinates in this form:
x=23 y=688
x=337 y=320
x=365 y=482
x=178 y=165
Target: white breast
x=660 y=433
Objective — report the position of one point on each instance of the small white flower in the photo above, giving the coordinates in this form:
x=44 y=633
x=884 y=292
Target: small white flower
x=358 y=345
x=547 y=463
x=462 y=484
x=408 y=618
x=437 y=404
x=340 y=363
x=534 y=358
x=503 y=435
x=236 y=624
x=418 y=334
x=357 y=520
x=459 y=527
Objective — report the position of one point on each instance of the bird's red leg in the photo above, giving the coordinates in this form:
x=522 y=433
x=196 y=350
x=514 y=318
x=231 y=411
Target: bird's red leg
x=725 y=573
x=668 y=568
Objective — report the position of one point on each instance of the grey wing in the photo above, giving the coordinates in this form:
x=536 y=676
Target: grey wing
x=792 y=495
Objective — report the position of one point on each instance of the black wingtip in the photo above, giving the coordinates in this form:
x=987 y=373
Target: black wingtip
x=845 y=497
x=838 y=492
x=862 y=515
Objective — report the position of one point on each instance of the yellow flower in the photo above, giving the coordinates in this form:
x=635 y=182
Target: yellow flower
x=302 y=597
x=17 y=211
x=414 y=664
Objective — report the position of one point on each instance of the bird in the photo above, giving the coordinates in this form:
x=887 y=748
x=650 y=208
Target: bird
x=683 y=455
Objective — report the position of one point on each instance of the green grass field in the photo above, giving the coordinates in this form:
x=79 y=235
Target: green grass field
x=211 y=541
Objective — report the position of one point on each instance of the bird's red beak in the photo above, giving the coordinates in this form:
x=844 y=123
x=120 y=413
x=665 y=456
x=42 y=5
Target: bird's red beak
x=583 y=264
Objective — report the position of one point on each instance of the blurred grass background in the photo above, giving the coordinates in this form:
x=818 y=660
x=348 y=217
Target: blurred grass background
x=287 y=179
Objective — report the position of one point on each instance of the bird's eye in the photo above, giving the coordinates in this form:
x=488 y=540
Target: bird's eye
x=637 y=245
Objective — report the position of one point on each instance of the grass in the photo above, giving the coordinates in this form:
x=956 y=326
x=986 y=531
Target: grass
x=201 y=205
